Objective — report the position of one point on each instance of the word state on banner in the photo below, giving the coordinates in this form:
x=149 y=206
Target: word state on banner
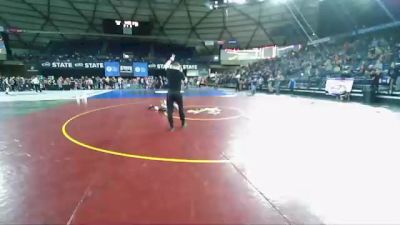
x=94 y=65
x=90 y=65
x=73 y=65
x=112 y=69
x=161 y=66
x=61 y=65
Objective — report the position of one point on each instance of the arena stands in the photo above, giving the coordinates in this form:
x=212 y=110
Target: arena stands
x=370 y=59
x=19 y=84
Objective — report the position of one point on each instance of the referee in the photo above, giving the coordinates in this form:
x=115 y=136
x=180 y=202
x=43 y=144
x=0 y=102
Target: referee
x=175 y=77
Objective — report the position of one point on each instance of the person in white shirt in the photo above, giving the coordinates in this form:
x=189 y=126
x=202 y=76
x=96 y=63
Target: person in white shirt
x=6 y=85
x=379 y=65
x=237 y=77
x=36 y=84
x=120 y=86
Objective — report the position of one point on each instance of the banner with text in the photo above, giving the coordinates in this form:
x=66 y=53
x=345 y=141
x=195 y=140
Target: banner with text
x=126 y=69
x=73 y=65
x=339 y=86
x=161 y=66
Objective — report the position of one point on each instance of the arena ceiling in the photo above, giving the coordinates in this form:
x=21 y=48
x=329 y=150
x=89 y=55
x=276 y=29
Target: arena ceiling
x=186 y=22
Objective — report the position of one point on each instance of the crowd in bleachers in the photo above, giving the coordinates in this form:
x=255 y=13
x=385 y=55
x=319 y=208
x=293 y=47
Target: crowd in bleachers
x=375 y=59
x=18 y=84
x=71 y=52
x=91 y=52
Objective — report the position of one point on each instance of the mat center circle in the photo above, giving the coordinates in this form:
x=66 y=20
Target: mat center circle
x=146 y=133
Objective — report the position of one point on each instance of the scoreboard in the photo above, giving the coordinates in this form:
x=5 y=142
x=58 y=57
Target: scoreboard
x=127 y=27
x=238 y=57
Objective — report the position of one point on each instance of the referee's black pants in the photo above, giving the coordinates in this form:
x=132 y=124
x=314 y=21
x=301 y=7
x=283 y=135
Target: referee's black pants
x=37 y=88
x=171 y=98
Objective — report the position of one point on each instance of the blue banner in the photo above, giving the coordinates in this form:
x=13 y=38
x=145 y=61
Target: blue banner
x=140 y=69
x=111 y=69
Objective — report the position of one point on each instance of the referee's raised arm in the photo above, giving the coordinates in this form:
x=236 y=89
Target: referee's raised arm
x=168 y=63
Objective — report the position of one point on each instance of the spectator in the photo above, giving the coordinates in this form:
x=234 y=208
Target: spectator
x=6 y=85
x=36 y=84
x=375 y=75
x=279 y=79
x=260 y=82
x=60 y=82
x=394 y=73
x=237 y=78
x=120 y=83
x=271 y=84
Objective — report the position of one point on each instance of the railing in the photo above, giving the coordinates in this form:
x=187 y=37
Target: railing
x=313 y=85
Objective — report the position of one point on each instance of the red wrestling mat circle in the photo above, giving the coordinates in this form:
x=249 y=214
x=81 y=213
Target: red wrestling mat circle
x=133 y=131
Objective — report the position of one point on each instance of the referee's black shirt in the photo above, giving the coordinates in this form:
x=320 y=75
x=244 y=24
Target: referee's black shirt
x=175 y=78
